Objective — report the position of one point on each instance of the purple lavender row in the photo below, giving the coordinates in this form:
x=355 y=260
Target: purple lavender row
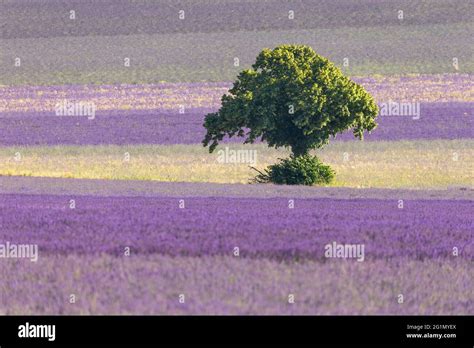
x=434 y=121
x=143 y=188
x=258 y=227
x=422 y=88
x=151 y=284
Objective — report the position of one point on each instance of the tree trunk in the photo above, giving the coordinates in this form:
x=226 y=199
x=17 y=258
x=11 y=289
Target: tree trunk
x=299 y=150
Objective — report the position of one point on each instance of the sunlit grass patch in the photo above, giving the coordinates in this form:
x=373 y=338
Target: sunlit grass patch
x=398 y=164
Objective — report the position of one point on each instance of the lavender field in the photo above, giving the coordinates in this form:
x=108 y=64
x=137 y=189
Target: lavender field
x=191 y=251
x=174 y=113
x=437 y=121
x=129 y=214
x=272 y=230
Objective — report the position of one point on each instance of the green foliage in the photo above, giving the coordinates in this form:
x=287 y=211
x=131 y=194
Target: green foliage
x=301 y=170
x=292 y=97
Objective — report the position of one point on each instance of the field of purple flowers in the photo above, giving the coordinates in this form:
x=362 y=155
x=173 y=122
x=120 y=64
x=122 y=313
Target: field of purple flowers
x=437 y=121
x=190 y=251
x=132 y=248
x=174 y=113
x=259 y=227
x=187 y=246
x=154 y=284
x=148 y=247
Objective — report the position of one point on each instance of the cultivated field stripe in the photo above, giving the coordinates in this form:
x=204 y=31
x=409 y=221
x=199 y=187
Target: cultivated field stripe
x=228 y=285
x=139 y=188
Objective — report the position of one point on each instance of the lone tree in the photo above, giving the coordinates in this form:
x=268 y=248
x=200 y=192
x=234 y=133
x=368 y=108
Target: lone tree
x=292 y=97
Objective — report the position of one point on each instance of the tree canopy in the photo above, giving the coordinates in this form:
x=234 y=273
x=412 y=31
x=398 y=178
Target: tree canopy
x=292 y=97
